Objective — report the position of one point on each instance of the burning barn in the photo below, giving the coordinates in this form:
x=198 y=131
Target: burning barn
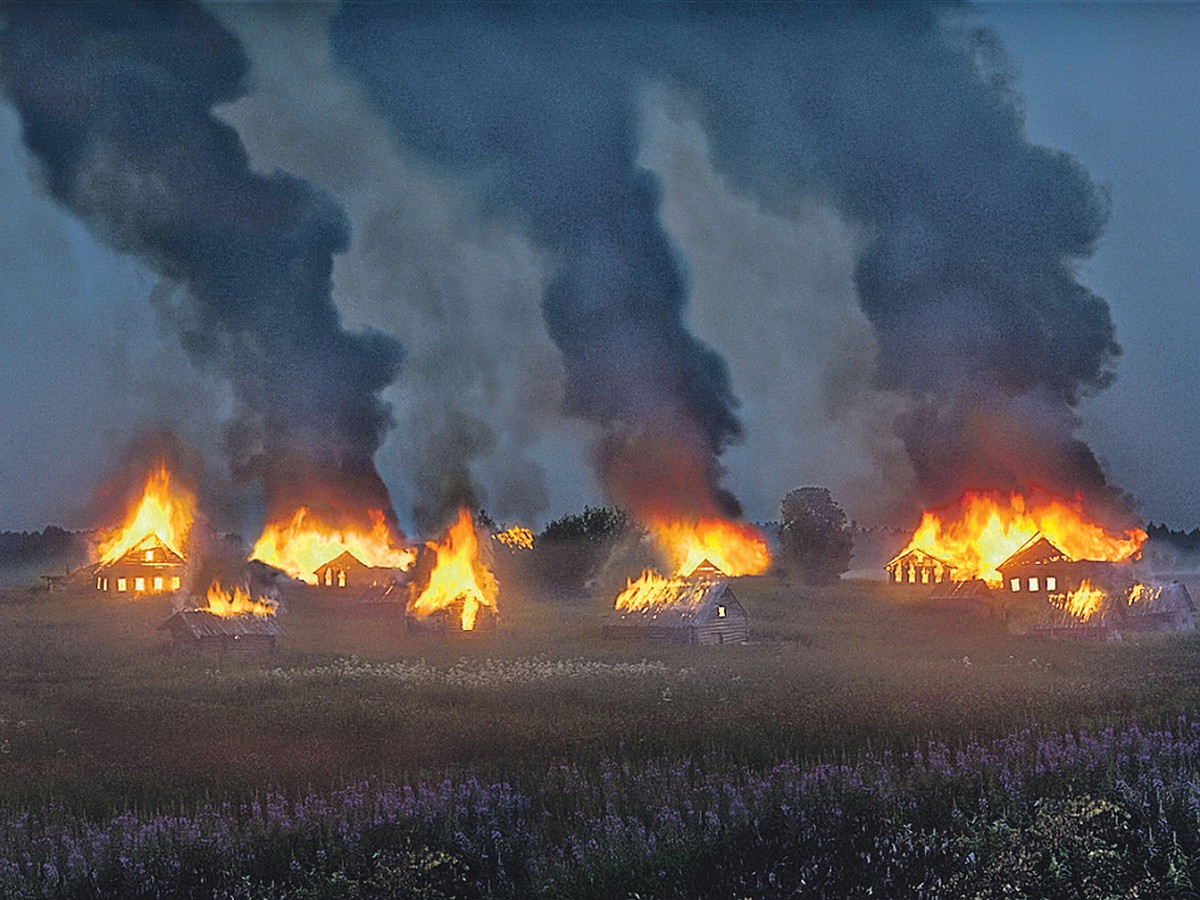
x=1039 y=570
x=202 y=631
x=149 y=567
x=453 y=620
x=679 y=610
x=347 y=572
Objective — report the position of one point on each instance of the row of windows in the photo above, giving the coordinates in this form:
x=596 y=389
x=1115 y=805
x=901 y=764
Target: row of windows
x=1051 y=583
x=924 y=575
x=341 y=578
x=139 y=584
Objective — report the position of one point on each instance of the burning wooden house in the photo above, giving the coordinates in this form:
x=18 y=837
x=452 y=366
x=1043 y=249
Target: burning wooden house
x=450 y=620
x=679 y=610
x=1162 y=607
x=347 y=572
x=461 y=593
x=201 y=631
x=1039 y=570
x=149 y=567
x=917 y=566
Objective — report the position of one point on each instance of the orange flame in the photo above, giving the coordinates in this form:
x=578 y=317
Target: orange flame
x=736 y=548
x=984 y=529
x=1081 y=603
x=651 y=590
x=303 y=544
x=1142 y=593
x=237 y=602
x=459 y=574
x=165 y=509
x=515 y=538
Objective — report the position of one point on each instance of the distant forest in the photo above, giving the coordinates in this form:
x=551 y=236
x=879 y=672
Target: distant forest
x=1182 y=540
x=25 y=548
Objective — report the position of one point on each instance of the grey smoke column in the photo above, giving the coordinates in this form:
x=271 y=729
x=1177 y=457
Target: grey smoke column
x=115 y=103
x=901 y=115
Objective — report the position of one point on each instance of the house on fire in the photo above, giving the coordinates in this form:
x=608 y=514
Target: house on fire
x=200 y=631
x=918 y=567
x=347 y=572
x=704 y=613
x=149 y=567
x=1038 y=569
x=448 y=621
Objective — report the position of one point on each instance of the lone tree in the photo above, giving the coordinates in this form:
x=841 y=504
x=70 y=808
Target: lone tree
x=815 y=539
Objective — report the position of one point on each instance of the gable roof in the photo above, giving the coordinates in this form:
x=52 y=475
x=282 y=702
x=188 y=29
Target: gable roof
x=919 y=556
x=692 y=605
x=344 y=560
x=1036 y=551
x=199 y=623
x=707 y=569
x=164 y=554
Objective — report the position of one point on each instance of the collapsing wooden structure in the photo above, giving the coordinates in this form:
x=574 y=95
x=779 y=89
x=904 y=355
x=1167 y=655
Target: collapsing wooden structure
x=200 y=631
x=705 y=612
x=1039 y=570
x=917 y=567
x=448 y=621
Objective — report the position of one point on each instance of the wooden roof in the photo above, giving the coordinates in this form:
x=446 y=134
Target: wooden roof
x=918 y=556
x=344 y=560
x=1036 y=551
x=707 y=569
x=200 y=623
x=1172 y=597
x=693 y=605
x=164 y=554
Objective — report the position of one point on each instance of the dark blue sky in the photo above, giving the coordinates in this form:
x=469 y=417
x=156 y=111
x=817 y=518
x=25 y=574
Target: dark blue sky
x=85 y=363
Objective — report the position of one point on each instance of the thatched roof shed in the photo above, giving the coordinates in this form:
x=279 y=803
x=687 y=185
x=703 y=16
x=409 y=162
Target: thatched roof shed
x=199 y=631
x=701 y=612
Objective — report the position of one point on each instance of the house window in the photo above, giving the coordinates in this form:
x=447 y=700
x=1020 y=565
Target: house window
x=1051 y=583
x=912 y=576
x=158 y=583
x=149 y=556
x=899 y=575
x=328 y=577
x=105 y=585
x=1015 y=584
x=99 y=582
x=122 y=585
x=341 y=577
x=924 y=576
x=139 y=584
x=1033 y=583
x=175 y=582
x=720 y=612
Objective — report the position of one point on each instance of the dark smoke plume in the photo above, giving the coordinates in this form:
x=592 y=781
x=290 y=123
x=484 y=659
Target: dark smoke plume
x=530 y=98
x=115 y=102
x=902 y=116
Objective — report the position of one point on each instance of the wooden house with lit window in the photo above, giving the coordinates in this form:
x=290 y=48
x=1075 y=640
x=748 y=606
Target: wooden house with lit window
x=347 y=572
x=716 y=617
x=917 y=567
x=1039 y=569
x=149 y=567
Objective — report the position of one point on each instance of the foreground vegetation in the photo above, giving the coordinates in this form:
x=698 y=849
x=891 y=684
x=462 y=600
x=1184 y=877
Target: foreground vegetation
x=860 y=743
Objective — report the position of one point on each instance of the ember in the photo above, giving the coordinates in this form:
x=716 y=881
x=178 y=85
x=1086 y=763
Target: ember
x=460 y=575
x=515 y=538
x=303 y=544
x=973 y=537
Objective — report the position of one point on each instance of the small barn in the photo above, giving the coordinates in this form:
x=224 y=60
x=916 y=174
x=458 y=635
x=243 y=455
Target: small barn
x=707 y=613
x=918 y=567
x=347 y=572
x=200 y=631
x=448 y=621
x=149 y=567
x=1163 y=607
x=1039 y=569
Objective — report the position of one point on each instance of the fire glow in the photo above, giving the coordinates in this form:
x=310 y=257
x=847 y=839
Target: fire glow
x=1082 y=603
x=986 y=528
x=736 y=548
x=165 y=509
x=304 y=543
x=515 y=538
x=459 y=574
x=652 y=590
x=236 y=602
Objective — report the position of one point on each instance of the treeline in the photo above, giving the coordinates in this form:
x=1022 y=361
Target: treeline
x=22 y=548
x=1188 y=541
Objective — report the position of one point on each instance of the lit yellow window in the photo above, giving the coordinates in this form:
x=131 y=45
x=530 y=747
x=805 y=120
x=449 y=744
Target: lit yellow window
x=899 y=574
x=912 y=576
x=175 y=582
x=1051 y=583
x=924 y=576
x=149 y=556
x=139 y=584
x=720 y=612
x=341 y=577
x=158 y=584
x=1033 y=584
x=122 y=584
x=99 y=584
x=1015 y=584
x=328 y=577
x=105 y=584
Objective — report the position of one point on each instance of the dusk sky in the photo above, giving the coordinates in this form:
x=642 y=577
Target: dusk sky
x=499 y=385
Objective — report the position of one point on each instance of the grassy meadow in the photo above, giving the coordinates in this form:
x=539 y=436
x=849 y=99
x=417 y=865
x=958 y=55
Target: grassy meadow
x=598 y=741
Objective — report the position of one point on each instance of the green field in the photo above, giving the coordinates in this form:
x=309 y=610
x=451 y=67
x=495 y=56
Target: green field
x=98 y=717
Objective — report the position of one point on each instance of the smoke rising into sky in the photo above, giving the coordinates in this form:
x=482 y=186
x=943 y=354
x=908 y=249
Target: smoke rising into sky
x=708 y=253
